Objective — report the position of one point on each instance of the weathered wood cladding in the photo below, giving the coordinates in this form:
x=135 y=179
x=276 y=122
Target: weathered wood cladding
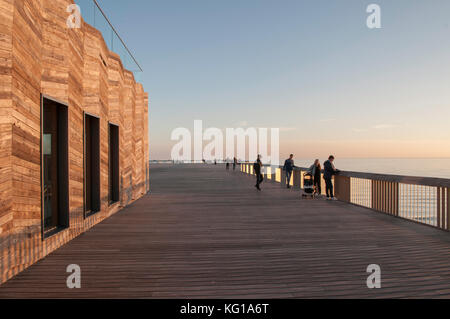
x=6 y=24
x=39 y=54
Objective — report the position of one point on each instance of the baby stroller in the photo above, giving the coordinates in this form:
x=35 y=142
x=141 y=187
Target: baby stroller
x=308 y=185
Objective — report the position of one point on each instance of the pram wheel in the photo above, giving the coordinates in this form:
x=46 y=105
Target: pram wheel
x=306 y=196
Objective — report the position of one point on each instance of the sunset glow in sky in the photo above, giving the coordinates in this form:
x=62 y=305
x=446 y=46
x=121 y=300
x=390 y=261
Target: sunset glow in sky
x=309 y=67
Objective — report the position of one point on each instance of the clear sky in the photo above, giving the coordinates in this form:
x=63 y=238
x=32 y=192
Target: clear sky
x=309 y=67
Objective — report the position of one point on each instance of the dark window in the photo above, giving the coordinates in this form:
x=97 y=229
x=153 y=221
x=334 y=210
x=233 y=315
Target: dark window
x=91 y=164
x=54 y=166
x=113 y=163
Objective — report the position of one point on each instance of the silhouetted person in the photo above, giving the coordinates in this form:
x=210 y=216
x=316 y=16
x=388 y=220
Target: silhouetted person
x=234 y=163
x=289 y=167
x=257 y=167
x=228 y=165
x=315 y=171
x=329 y=171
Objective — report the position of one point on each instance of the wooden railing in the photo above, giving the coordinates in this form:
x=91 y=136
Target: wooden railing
x=420 y=199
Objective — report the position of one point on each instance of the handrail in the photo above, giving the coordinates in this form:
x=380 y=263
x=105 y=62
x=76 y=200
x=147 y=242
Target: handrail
x=115 y=31
x=404 y=179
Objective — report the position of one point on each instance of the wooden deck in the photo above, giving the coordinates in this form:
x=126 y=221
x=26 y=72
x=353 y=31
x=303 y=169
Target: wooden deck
x=205 y=232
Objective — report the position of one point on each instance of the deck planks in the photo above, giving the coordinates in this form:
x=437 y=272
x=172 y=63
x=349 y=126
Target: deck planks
x=205 y=232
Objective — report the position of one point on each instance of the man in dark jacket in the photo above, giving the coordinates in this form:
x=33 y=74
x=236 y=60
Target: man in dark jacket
x=257 y=167
x=329 y=171
x=288 y=168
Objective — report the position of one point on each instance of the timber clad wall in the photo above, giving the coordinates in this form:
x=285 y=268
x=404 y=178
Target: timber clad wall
x=40 y=55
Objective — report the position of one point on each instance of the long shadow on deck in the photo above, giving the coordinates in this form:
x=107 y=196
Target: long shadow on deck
x=205 y=232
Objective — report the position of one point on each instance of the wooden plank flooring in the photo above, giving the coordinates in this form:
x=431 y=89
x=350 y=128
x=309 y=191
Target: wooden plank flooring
x=205 y=232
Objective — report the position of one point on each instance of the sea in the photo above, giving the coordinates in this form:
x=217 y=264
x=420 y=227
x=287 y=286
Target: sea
x=421 y=167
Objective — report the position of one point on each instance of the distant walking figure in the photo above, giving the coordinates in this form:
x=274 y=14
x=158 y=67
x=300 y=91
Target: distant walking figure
x=234 y=163
x=329 y=171
x=315 y=170
x=289 y=167
x=257 y=167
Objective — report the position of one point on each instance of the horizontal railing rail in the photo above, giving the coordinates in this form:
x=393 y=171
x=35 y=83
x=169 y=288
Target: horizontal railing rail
x=113 y=29
x=93 y=14
x=423 y=200
x=404 y=179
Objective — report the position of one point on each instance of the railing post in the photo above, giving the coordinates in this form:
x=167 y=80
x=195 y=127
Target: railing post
x=342 y=188
x=297 y=178
x=386 y=197
x=272 y=174
x=448 y=208
x=396 y=198
x=439 y=205
x=282 y=178
x=267 y=173
x=374 y=195
x=391 y=198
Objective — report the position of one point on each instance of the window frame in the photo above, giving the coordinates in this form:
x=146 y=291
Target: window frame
x=87 y=214
x=111 y=202
x=63 y=164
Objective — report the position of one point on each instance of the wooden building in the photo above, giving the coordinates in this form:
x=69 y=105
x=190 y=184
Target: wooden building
x=73 y=132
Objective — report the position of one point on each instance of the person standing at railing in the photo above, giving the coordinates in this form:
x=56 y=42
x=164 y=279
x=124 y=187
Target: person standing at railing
x=315 y=170
x=257 y=167
x=234 y=163
x=329 y=172
x=288 y=168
